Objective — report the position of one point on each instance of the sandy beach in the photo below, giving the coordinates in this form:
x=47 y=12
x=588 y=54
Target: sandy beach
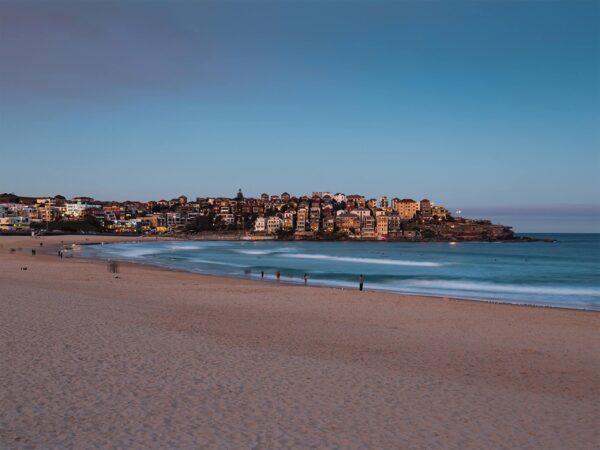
x=161 y=359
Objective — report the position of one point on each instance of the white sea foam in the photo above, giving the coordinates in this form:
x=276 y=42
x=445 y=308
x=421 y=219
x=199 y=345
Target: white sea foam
x=131 y=252
x=219 y=263
x=186 y=247
x=272 y=251
x=385 y=262
x=475 y=286
x=255 y=252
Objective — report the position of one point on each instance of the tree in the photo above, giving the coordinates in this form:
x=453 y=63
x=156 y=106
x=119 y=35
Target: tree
x=428 y=233
x=201 y=223
x=285 y=235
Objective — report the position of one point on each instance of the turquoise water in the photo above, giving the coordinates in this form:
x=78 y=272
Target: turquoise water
x=561 y=274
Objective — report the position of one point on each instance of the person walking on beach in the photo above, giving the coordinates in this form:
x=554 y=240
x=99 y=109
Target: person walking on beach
x=113 y=266
x=278 y=275
x=262 y=274
x=361 y=280
x=305 y=279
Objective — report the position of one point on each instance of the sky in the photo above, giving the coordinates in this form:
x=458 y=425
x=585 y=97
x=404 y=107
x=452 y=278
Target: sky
x=490 y=107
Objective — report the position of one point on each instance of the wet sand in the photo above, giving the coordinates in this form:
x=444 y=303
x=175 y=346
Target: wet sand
x=160 y=359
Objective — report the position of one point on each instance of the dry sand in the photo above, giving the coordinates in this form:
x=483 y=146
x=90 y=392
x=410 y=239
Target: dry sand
x=159 y=359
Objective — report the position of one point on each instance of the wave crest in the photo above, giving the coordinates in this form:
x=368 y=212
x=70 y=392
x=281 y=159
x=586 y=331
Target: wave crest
x=475 y=286
x=350 y=259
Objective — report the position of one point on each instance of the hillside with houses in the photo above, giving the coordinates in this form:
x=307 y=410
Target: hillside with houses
x=320 y=216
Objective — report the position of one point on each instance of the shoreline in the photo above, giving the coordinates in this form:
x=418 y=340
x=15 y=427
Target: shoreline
x=54 y=246
x=299 y=283
x=250 y=238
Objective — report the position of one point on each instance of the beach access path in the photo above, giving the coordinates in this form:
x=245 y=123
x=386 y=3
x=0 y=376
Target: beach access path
x=162 y=359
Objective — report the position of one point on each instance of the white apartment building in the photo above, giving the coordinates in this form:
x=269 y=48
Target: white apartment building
x=76 y=210
x=260 y=225
x=14 y=223
x=274 y=224
x=361 y=212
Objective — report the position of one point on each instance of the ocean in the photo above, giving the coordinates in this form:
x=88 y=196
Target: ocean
x=564 y=274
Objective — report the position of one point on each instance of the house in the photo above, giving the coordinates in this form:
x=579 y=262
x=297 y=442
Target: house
x=227 y=218
x=361 y=212
x=382 y=226
x=340 y=198
x=357 y=201
x=425 y=210
x=288 y=219
x=274 y=224
x=315 y=211
x=14 y=223
x=76 y=210
x=46 y=209
x=175 y=221
x=347 y=223
x=315 y=216
x=406 y=208
x=394 y=225
x=368 y=227
x=328 y=224
x=147 y=223
x=260 y=225
x=439 y=212
x=302 y=219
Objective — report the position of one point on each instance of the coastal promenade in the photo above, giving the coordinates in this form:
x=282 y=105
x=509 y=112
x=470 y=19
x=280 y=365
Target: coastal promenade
x=150 y=358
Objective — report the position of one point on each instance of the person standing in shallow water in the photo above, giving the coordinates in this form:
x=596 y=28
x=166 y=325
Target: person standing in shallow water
x=262 y=274
x=305 y=279
x=361 y=281
x=278 y=275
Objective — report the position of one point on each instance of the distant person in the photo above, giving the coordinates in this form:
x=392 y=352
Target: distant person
x=33 y=252
x=60 y=254
x=361 y=281
x=305 y=279
x=262 y=274
x=278 y=275
x=113 y=266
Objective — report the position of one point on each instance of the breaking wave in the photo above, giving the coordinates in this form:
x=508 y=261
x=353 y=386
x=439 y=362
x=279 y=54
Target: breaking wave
x=274 y=251
x=501 y=288
x=350 y=259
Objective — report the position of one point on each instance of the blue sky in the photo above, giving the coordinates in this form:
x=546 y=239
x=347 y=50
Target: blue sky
x=491 y=107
